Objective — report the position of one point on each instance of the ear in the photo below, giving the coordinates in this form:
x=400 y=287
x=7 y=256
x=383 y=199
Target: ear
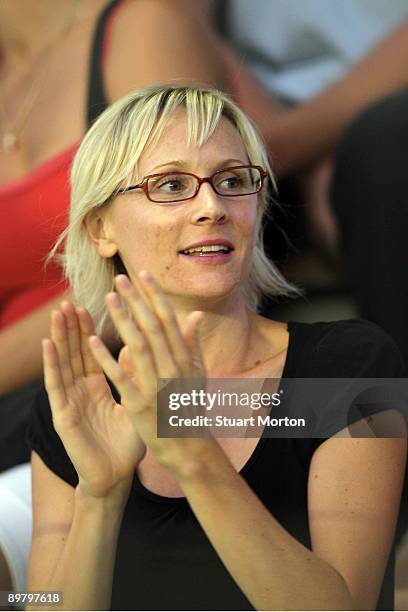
x=97 y=226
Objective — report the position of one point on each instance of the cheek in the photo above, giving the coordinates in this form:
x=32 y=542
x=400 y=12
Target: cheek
x=246 y=221
x=144 y=244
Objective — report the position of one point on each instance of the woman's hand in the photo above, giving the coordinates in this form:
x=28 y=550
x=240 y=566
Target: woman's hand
x=99 y=435
x=157 y=349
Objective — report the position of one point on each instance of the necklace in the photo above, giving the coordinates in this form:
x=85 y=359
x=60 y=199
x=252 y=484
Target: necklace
x=10 y=139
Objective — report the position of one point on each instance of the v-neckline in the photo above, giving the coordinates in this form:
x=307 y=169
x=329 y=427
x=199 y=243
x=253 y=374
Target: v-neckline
x=251 y=460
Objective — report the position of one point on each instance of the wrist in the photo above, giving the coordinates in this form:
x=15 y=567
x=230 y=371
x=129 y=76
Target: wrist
x=198 y=459
x=111 y=502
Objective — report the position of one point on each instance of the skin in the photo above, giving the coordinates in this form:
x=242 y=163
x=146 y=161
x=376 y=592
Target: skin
x=352 y=513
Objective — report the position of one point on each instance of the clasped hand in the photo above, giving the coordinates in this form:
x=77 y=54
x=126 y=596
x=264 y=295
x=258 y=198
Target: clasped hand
x=104 y=439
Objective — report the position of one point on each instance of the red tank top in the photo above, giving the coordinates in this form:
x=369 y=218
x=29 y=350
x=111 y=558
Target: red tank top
x=33 y=213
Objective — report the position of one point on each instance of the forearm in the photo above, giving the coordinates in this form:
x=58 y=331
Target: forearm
x=272 y=568
x=20 y=346
x=84 y=571
x=310 y=131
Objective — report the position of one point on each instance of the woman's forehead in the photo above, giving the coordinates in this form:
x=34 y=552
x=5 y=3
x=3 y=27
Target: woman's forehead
x=174 y=144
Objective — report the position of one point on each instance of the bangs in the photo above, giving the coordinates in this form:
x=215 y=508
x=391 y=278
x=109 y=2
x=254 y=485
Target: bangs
x=203 y=111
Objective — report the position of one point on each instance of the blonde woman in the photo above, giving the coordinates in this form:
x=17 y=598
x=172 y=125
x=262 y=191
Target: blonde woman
x=169 y=188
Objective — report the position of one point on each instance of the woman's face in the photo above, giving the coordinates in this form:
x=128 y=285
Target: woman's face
x=149 y=236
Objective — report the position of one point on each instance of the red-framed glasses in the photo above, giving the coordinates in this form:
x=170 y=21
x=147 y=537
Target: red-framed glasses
x=171 y=187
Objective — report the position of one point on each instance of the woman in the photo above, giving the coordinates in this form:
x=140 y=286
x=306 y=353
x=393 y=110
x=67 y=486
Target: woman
x=134 y=521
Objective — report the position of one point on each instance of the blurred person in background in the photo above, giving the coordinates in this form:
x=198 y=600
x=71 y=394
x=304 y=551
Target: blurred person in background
x=61 y=64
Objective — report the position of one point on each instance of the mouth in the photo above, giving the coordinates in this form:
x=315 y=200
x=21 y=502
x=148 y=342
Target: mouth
x=215 y=253
x=207 y=251
x=212 y=247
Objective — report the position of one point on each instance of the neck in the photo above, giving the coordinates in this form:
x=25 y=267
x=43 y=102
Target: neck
x=226 y=334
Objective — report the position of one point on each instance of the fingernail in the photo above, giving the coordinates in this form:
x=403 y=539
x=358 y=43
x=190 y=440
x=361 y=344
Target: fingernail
x=123 y=281
x=146 y=277
x=114 y=300
x=95 y=341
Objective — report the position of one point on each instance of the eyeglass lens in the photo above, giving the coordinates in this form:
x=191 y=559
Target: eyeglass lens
x=229 y=182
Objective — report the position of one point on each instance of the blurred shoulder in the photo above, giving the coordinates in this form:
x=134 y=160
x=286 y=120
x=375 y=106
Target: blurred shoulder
x=156 y=41
x=352 y=347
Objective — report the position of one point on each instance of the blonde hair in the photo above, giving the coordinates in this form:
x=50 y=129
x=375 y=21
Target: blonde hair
x=108 y=160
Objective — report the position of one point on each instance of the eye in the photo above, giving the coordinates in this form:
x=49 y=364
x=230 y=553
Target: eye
x=168 y=184
x=233 y=181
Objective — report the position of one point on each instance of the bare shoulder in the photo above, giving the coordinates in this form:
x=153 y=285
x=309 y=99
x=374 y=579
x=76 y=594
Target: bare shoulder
x=156 y=41
x=53 y=506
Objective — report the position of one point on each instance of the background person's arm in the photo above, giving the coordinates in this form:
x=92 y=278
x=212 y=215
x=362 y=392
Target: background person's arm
x=160 y=41
x=308 y=133
x=20 y=346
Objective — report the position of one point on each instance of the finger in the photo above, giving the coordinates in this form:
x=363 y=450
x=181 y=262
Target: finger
x=125 y=362
x=127 y=390
x=192 y=338
x=52 y=376
x=135 y=340
x=86 y=326
x=150 y=326
x=140 y=287
x=165 y=314
x=74 y=339
x=59 y=336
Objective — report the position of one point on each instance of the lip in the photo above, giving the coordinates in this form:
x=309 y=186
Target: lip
x=211 y=260
x=209 y=242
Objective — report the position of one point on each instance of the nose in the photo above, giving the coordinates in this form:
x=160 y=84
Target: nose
x=208 y=206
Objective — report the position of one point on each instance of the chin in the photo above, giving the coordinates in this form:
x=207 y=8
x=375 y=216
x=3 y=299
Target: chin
x=214 y=293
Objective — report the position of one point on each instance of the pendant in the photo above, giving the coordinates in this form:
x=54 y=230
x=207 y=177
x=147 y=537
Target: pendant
x=9 y=142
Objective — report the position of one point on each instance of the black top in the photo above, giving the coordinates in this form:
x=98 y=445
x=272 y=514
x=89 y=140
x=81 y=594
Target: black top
x=97 y=100
x=164 y=559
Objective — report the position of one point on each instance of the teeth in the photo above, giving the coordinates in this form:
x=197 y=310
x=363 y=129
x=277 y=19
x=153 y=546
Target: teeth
x=207 y=249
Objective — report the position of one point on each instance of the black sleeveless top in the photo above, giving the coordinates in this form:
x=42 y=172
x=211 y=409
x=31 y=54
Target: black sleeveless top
x=97 y=100
x=164 y=558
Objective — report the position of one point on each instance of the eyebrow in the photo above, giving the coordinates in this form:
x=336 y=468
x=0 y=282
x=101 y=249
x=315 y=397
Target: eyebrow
x=182 y=164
